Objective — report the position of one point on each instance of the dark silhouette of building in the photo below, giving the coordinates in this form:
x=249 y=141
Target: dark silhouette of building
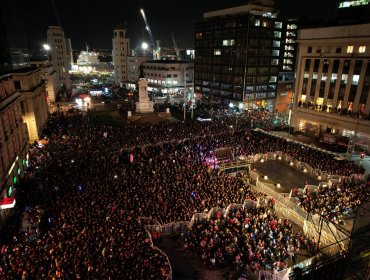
x=13 y=41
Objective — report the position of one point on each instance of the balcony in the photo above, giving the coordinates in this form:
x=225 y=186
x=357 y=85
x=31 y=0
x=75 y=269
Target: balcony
x=333 y=111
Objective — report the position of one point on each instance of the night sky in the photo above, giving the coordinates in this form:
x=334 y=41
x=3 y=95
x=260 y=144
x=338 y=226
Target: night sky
x=92 y=21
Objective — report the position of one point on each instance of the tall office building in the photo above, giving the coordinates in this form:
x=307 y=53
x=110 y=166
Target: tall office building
x=121 y=50
x=13 y=42
x=59 y=56
x=239 y=53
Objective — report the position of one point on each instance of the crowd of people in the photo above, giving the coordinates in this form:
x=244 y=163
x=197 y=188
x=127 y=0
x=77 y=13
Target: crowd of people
x=253 y=237
x=336 y=202
x=96 y=182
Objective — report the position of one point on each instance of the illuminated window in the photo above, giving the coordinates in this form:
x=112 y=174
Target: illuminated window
x=355 y=79
x=275 y=52
x=227 y=43
x=306 y=75
x=273 y=79
x=257 y=22
x=314 y=75
x=276 y=44
x=333 y=77
x=198 y=35
x=278 y=24
x=264 y=23
x=349 y=49
x=277 y=34
x=348 y=4
x=361 y=49
x=217 y=52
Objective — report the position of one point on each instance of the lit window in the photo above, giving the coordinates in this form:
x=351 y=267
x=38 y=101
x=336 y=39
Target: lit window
x=227 y=43
x=314 y=75
x=276 y=44
x=257 y=22
x=275 y=53
x=278 y=24
x=306 y=75
x=349 y=49
x=217 y=52
x=277 y=34
x=273 y=79
x=264 y=23
x=333 y=77
x=355 y=79
x=362 y=49
x=344 y=77
x=274 y=61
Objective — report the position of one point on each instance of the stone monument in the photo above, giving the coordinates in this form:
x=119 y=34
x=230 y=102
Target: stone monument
x=144 y=105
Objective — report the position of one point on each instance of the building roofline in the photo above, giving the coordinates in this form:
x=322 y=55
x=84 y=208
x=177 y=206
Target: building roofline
x=250 y=8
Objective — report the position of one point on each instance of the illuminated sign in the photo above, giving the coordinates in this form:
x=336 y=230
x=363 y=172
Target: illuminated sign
x=7 y=203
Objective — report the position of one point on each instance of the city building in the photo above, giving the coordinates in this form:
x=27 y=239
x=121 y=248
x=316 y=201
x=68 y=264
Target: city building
x=169 y=76
x=239 y=53
x=13 y=42
x=49 y=75
x=28 y=82
x=332 y=86
x=13 y=141
x=59 y=56
x=121 y=50
x=133 y=70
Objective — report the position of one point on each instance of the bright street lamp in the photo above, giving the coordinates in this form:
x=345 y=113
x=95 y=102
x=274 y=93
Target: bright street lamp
x=144 y=45
x=46 y=47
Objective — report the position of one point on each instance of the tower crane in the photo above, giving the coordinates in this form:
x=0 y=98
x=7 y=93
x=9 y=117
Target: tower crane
x=175 y=47
x=155 y=46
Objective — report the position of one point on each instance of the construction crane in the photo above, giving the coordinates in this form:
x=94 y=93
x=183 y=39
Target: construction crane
x=156 y=47
x=175 y=47
x=59 y=22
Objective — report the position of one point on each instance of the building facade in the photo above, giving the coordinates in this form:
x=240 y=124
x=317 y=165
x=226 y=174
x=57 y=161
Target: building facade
x=49 y=75
x=13 y=142
x=59 y=56
x=239 y=53
x=133 y=70
x=121 y=50
x=332 y=87
x=169 y=76
x=28 y=82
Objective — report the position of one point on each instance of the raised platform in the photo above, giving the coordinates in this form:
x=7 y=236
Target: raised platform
x=144 y=107
x=287 y=176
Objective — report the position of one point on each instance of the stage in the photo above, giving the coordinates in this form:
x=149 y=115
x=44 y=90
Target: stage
x=280 y=172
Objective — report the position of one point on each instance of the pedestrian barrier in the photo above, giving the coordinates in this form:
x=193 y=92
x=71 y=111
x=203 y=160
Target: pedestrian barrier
x=169 y=277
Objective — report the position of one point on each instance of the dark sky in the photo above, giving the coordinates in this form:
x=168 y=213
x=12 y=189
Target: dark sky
x=92 y=21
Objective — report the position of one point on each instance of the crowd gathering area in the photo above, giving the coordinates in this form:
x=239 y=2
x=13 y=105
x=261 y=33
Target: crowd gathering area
x=95 y=183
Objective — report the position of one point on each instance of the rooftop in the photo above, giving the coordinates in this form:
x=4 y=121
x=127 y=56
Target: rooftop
x=23 y=70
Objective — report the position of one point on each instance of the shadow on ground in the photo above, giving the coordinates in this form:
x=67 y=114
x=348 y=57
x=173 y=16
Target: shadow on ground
x=186 y=266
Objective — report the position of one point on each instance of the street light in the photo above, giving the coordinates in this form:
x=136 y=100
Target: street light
x=144 y=45
x=46 y=47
